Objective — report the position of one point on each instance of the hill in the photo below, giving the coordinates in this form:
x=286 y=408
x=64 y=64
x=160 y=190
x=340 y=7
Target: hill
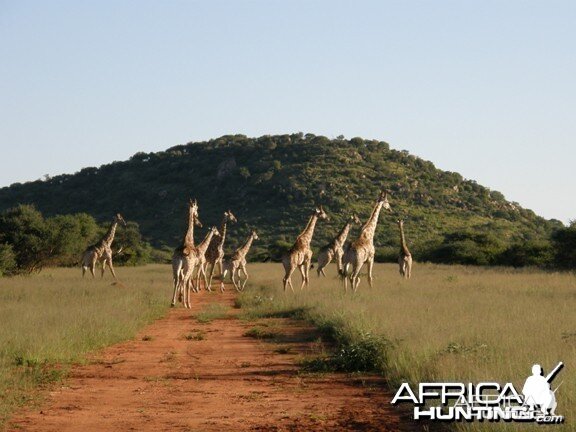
x=272 y=182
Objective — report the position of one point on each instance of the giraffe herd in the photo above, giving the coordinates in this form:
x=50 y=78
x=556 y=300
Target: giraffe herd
x=190 y=262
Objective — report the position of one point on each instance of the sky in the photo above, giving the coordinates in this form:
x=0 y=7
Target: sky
x=484 y=88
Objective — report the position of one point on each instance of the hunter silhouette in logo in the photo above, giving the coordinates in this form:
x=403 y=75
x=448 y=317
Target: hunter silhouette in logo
x=537 y=389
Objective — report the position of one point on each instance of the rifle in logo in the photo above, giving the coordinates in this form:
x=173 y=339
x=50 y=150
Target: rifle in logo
x=537 y=390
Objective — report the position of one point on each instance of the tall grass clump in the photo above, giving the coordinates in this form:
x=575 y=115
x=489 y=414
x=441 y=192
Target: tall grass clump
x=448 y=323
x=50 y=320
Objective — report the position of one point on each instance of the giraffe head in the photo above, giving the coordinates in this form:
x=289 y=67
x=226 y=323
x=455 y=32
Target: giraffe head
x=354 y=219
x=193 y=209
x=215 y=231
x=230 y=216
x=400 y=223
x=383 y=198
x=119 y=219
x=321 y=214
x=254 y=235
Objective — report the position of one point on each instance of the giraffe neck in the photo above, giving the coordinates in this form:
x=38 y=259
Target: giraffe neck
x=341 y=237
x=369 y=227
x=403 y=244
x=243 y=251
x=189 y=238
x=223 y=231
x=306 y=237
x=204 y=245
x=109 y=237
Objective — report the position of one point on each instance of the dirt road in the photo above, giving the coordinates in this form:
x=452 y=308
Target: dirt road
x=182 y=375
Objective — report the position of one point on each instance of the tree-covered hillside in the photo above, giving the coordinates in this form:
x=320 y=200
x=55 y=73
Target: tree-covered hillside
x=272 y=183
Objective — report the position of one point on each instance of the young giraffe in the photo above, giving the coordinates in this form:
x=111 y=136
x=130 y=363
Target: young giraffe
x=102 y=250
x=405 y=257
x=238 y=263
x=184 y=249
x=336 y=248
x=300 y=255
x=193 y=261
x=362 y=250
x=215 y=253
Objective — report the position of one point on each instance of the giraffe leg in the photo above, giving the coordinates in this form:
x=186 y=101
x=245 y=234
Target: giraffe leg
x=187 y=285
x=307 y=270
x=323 y=261
x=243 y=268
x=103 y=268
x=354 y=277
x=111 y=267
x=224 y=274
x=93 y=266
x=233 y=273
x=370 y=268
x=339 y=262
x=287 y=278
x=176 y=290
x=303 y=273
x=210 y=274
x=198 y=274
x=204 y=273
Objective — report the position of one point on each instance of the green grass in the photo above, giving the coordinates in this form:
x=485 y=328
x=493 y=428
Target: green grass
x=211 y=312
x=197 y=335
x=448 y=323
x=260 y=333
x=51 y=320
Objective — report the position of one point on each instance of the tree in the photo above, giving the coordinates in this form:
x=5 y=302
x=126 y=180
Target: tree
x=7 y=260
x=564 y=241
x=133 y=249
x=70 y=235
x=24 y=228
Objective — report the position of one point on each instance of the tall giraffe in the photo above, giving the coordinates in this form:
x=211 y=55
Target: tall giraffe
x=192 y=261
x=237 y=263
x=405 y=257
x=102 y=251
x=362 y=250
x=215 y=252
x=335 y=249
x=300 y=255
x=185 y=248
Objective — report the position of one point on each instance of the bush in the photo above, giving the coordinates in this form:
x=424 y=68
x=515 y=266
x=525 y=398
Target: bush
x=7 y=260
x=24 y=228
x=564 y=241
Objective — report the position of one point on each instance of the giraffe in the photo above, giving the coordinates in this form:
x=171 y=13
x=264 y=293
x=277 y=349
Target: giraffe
x=237 y=263
x=405 y=257
x=300 y=255
x=362 y=250
x=102 y=251
x=181 y=251
x=193 y=261
x=215 y=252
x=335 y=249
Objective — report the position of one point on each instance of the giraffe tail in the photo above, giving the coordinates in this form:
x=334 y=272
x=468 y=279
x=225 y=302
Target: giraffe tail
x=344 y=271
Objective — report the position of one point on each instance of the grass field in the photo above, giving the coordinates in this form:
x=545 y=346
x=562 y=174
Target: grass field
x=448 y=323
x=51 y=320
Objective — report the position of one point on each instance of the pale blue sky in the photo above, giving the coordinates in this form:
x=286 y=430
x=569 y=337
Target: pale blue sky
x=485 y=88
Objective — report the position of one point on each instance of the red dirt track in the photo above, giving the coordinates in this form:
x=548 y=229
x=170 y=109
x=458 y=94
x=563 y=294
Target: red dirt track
x=224 y=382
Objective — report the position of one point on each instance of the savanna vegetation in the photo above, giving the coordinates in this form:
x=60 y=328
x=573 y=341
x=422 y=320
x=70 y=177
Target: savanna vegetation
x=30 y=242
x=272 y=182
x=51 y=320
x=447 y=323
